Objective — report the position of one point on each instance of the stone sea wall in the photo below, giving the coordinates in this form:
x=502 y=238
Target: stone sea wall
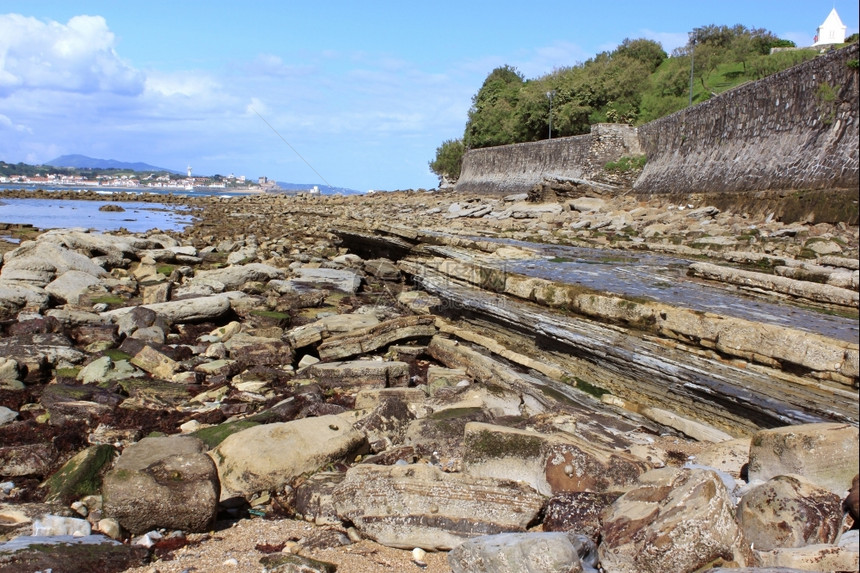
x=797 y=129
x=517 y=167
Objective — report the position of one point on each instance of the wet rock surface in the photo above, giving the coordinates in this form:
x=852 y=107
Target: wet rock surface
x=378 y=385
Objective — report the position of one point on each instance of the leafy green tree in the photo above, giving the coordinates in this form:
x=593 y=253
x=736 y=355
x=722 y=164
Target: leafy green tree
x=449 y=159
x=782 y=43
x=491 y=117
x=648 y=52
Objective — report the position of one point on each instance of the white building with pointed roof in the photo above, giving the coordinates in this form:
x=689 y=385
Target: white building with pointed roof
x=831 y=31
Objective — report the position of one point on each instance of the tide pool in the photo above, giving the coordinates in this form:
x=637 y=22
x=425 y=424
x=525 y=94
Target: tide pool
x=66 y=213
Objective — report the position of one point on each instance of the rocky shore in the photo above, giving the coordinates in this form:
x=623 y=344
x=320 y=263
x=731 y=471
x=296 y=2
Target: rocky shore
x=363 y=384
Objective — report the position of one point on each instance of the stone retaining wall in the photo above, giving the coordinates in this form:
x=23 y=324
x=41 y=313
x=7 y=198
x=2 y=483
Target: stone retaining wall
x=797 y=129
x=518 y=167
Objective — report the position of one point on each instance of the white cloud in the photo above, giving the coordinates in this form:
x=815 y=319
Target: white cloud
x=7 y=123
x=75 y=57
x=188 y=84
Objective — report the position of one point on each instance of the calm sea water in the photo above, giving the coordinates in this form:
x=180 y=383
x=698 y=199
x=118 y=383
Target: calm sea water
x=66 y=213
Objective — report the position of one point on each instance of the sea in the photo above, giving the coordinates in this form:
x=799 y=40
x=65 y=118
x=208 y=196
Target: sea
x=137 y=217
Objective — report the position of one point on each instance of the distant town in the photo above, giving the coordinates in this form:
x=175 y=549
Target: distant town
x=165 y=181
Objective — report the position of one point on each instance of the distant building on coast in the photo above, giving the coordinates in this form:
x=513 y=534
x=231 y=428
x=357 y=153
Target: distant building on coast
x=831 y=31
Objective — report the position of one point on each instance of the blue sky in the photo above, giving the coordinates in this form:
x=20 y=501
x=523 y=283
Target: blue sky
x=364 y=91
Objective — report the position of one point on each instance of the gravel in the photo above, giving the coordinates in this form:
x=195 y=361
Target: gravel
x=236 y=547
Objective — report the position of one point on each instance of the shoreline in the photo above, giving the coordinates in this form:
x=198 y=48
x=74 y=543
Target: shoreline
x=86 y=193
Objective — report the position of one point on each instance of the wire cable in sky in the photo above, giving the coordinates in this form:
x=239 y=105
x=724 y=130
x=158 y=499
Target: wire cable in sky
x=290 y=146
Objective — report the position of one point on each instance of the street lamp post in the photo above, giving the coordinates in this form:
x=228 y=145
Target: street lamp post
x=692 y=64
x=549 y=95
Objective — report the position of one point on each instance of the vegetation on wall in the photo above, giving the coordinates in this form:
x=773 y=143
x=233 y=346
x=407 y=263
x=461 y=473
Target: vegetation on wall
x=636 y=83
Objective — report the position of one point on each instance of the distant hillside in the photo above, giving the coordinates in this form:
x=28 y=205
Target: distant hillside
x=324 y=189
x=84 y=162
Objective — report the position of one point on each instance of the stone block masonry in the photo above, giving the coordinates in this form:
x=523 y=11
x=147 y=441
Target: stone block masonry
x=797 y=129
x=794 y=130
x=518 y=167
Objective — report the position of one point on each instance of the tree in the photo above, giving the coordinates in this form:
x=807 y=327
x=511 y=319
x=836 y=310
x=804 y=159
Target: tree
x=491 y=117
x=648 y=52
x=449 y=159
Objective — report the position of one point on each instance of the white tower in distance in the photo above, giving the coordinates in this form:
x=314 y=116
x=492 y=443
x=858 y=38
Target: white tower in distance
x=189 y=171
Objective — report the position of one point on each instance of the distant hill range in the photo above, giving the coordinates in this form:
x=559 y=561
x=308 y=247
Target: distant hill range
x=84 y=162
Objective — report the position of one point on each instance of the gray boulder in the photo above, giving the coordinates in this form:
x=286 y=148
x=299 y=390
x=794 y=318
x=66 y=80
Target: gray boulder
x=41 y=261
x=788 y=511
x=825 y=454
x=163 y=482
x=233 y=277
x=269 y=456
x=15 y=295
x=548 y=463
x=360 y=374
x=419 y=505
x=69 y=286
x=549 y=552
x=677 y=520
x=185 y=310
x=7 y=415
x=311 y=279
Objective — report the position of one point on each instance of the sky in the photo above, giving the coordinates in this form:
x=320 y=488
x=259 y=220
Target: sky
x=343 y=93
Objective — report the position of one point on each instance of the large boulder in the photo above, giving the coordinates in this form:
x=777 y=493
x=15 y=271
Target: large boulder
x=548 y=463
x=788 y=511
x=676 y=520
x=327 y=279
x=15 y=295
x=578 y=511
x=163 y=482
x=730 y=456
x=269 y=456
x=35 y=353
x=541 y=552
x=200 y=308
x=371 y=338
x=826 y=454
x=69 y=286
x=39 y=262
x=80 y=476
x=233 y=277
x=844 y=556
x=26 y=460
x=360 y=374
x=250 y=350
x=419 y=505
